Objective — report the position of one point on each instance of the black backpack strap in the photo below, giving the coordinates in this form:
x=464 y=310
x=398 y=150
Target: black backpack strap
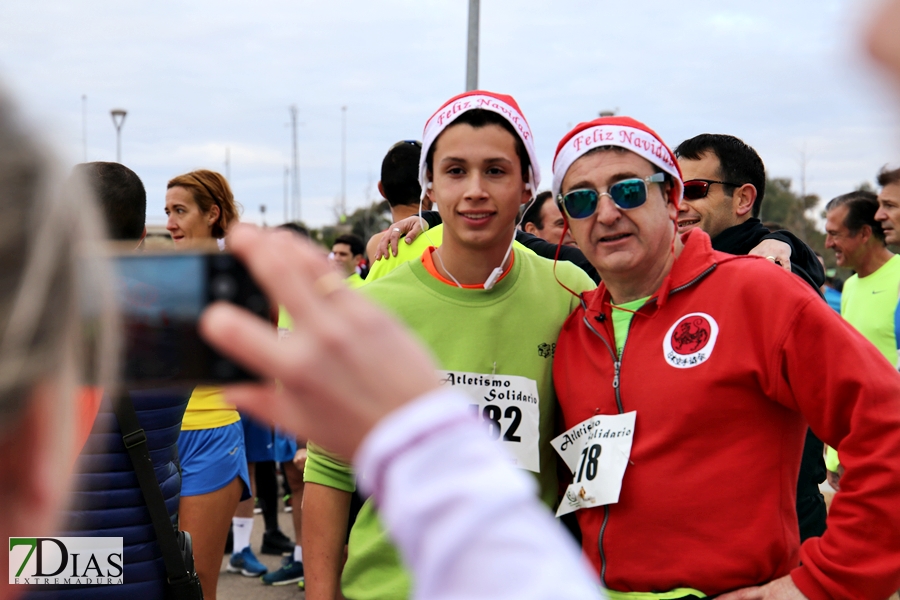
x=136 y=443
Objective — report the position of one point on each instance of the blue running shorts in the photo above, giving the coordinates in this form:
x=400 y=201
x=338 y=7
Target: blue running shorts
x=264 y=444
x=212 y=458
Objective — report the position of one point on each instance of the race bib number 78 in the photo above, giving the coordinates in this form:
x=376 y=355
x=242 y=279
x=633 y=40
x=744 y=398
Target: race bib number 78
x=508 y=408
x=597 y=451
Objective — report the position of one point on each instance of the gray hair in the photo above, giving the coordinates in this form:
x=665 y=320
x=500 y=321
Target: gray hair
x=48 y=225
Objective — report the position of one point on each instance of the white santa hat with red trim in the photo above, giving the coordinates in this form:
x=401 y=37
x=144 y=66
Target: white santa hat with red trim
x=623 y=132
x=503 y=105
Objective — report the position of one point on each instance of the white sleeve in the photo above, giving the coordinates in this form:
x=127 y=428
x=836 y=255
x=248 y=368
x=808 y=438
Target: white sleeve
x=467 y=523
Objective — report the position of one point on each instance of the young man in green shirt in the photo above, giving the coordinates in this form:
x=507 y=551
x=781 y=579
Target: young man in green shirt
x=347 y=252
x=490 y=313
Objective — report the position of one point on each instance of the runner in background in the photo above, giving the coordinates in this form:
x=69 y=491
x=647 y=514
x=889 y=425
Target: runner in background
x=399 y=185
x=542 y=219
x=869 y=297
x=201 y=208
x=348 y=253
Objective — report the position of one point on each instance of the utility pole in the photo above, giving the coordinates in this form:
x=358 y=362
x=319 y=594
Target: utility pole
x=472 y=47
x=287 y=177
x=343 y=161
x=84 y=124
x=295 y=212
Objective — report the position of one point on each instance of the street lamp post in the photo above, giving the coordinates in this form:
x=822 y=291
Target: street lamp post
x=118 y=117
x=343 y=161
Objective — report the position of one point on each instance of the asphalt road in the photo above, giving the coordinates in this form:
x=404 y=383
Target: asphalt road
x=235 y=586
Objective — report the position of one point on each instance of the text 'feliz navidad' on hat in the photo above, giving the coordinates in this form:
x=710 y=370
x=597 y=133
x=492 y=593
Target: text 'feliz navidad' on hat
x=623 y=132
x=503 y=105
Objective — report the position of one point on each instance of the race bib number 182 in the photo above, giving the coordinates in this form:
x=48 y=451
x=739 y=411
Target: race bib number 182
x=509 y=409
x=597 y=451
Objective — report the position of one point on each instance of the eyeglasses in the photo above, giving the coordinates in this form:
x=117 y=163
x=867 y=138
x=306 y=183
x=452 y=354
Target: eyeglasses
x=699 y=188
x=626 y=194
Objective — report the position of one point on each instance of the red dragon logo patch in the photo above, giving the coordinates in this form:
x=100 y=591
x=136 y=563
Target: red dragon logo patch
x=691 y=335
x=690 y=341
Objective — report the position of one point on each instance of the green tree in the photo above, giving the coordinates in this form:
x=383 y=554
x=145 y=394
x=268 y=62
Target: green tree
x=364 y=222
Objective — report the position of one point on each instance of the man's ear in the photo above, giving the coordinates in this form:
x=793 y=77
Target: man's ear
x=381 y=191
x=866 y=232
x=531 y=228
x=429 y=187
x=527 y=195
x=743 y=199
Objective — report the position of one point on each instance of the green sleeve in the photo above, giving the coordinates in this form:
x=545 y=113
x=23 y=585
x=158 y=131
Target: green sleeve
x=327 y=469
x=832 y=461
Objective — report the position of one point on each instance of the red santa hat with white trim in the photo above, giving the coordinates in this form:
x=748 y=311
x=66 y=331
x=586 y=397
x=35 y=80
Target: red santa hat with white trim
x=503 y=105
x=623 y=132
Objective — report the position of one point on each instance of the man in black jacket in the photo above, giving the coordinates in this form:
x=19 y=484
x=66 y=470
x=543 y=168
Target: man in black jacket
x=724 y=185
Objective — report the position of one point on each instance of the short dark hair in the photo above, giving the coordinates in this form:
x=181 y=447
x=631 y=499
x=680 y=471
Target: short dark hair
x=532 y=214
x=356 y=244
x=400 y=173
x=739 y=163
x=861 y=209
x=297 y=228
x=478 y=118
x=888 y=176
x=122 y=197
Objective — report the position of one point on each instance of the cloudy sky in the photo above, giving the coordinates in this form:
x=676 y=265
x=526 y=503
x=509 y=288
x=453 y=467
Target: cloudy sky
x=203 y=78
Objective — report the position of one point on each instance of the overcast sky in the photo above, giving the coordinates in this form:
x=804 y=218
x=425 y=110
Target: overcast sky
x=203 y=77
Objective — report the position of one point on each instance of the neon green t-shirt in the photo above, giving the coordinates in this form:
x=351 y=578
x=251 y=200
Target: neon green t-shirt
x=870 y=305
x=621 y=320
x=355 y=281
x=510 y=329
x=406 y=252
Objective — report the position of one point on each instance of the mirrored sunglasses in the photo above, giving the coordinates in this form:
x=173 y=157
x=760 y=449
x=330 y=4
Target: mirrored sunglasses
x=626 y=194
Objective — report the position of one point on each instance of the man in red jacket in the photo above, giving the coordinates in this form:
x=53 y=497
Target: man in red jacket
x=726 y=360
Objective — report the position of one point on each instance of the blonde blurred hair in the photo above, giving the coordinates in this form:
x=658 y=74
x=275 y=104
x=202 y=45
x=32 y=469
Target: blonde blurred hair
x=49 y=224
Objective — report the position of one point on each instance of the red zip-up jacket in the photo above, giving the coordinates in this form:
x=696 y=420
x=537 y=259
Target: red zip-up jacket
x=719 y=365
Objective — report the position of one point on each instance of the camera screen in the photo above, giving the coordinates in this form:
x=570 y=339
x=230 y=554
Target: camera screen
x=161 y=298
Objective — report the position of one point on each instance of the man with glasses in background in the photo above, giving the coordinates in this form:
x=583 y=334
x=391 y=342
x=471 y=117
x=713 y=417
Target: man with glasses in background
x=686 y=386
x=724 y=187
